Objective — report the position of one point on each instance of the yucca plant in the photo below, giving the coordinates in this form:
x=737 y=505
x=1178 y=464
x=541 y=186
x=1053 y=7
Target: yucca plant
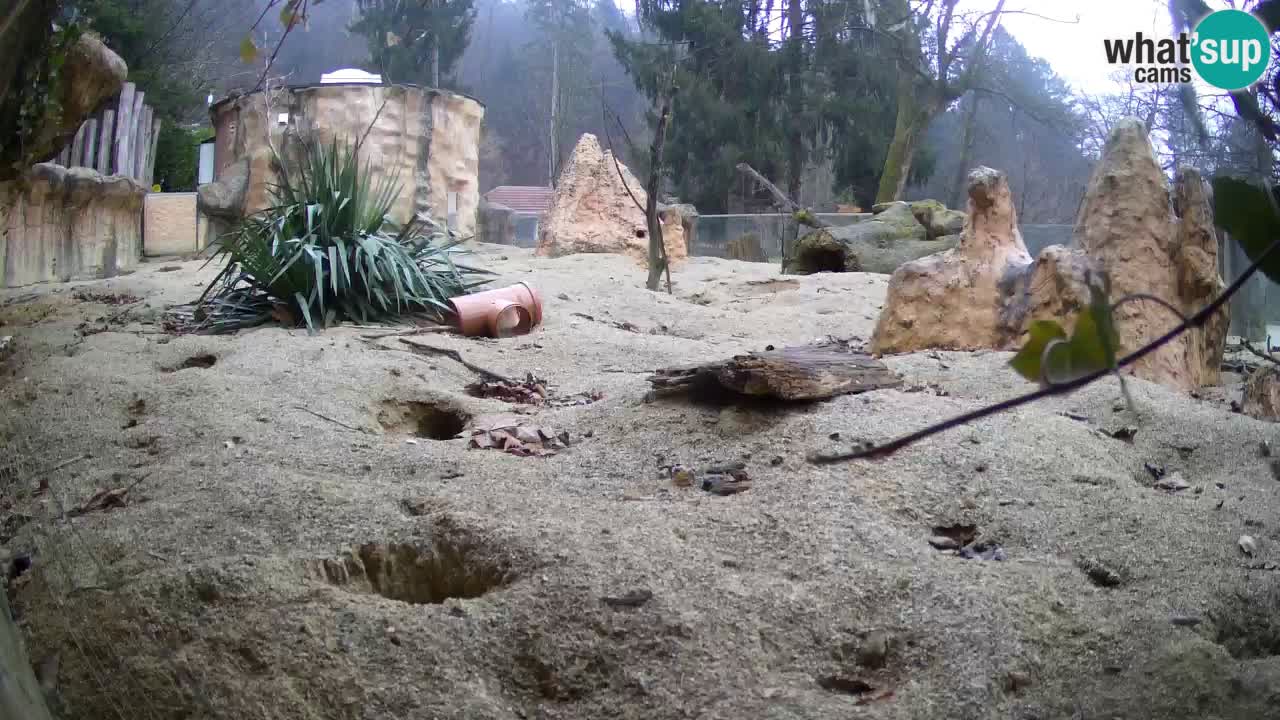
x=326 y=250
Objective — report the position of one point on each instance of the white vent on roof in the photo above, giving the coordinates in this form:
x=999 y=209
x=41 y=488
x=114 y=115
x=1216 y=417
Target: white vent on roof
x=350 y=75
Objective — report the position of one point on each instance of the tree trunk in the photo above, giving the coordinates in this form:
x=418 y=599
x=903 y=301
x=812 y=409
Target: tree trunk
x=914 y=114
x=435 y=63
x=555 y=97
x=955 y=198
x=657 y=247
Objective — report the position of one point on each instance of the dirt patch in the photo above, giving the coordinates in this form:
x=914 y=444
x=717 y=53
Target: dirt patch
x=430 y=420
x=459 y=566
x=203 y=361
x=753 y=288
x=105 y=298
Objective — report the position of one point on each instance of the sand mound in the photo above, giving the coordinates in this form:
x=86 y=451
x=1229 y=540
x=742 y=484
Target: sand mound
x=298 y=541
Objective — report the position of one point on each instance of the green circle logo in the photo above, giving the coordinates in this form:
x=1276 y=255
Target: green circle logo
x=1232 y=49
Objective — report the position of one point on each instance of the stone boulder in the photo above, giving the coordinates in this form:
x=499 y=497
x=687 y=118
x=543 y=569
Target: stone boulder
x=862 y=247
x=892 y=237
x=1261 y=396
x=937 y=220
x=224 y=198
x=957 y=299
x=986 y=292
x=90 y=74
x=593 y=212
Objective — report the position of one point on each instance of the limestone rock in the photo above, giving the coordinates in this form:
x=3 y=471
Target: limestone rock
x=428 y=139
x=594 y=213
x=90 y=74
x=1261 y=398
x=867 y=246
x=1127 y=225
x=986 y=292
x=894 y=220
x=495 y=223
x=224 y=198
x=937 y=220
x=957 y=299
x=686 y=214
x=64 y=224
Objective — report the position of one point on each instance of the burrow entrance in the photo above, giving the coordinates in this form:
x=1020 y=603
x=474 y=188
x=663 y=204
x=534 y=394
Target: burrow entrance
x=434 y=421
x=203 y=361
x=818 y=259
x=419 y=574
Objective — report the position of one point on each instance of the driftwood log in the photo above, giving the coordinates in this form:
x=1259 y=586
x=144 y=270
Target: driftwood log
x=811 y=372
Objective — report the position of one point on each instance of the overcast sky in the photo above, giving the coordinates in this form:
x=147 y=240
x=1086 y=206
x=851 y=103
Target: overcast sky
x=1074 y=49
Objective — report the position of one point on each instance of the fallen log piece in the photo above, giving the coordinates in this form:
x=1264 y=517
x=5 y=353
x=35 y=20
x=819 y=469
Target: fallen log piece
x=811 y=372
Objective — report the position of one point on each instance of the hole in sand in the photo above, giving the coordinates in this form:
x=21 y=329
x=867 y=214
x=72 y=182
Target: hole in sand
x=203 y=361
x=452 y=567
x=434 y=421
x=1248 y=624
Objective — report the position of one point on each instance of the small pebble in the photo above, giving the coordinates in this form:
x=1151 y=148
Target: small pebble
x=942 y=542
x=1186 y=620
x=1248 y=545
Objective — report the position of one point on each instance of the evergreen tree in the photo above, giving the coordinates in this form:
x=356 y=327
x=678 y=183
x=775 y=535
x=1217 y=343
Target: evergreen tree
x=415 y=41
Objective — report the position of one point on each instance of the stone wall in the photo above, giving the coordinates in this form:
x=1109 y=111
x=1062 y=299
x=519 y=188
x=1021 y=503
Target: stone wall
x=429 y=140
x=60 y=224
x=171 y=225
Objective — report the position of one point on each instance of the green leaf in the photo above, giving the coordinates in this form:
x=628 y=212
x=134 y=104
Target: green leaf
x=248 y=51
x=1049 y=356
x=1248 y=215
x=1027 y=362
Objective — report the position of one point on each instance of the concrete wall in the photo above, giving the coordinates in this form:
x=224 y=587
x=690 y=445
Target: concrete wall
x=429 y=140
x=171 y=225
x=60 y=224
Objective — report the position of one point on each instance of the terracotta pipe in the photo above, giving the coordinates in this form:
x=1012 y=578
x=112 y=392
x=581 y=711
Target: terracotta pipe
x=501 y=312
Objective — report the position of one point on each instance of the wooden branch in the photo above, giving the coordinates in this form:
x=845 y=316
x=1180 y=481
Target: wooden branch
x=812 y=372
x=782 y=201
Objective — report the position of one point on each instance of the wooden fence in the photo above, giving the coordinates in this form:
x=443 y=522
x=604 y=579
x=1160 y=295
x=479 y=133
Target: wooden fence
x=120 y=139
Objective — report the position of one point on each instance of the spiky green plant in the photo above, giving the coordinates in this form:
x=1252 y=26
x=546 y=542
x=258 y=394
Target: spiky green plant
x=325 y=250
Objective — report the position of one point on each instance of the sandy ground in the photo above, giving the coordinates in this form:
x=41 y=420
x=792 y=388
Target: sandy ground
x=229 y=586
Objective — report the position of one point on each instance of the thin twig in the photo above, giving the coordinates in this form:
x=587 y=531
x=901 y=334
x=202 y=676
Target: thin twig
x=59 y=466
x=1197 y=320
x=457 y=357
x=339 y=423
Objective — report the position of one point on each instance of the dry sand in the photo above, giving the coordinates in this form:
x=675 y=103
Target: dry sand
x=221 y=590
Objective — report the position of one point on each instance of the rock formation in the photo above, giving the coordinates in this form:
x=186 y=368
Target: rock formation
x=880 y=245
x=64 y=224
x=937 y=220
x=956 y=299
x=985 y=292
x=594 y=213
x=428 y=140
x=90 y=74
x=1261 y=396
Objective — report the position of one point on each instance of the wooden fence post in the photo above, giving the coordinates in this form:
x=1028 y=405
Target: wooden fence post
x=105 y=137
x=90 y=143
x=151 y=155
x=136 y=147
x=124 y=126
